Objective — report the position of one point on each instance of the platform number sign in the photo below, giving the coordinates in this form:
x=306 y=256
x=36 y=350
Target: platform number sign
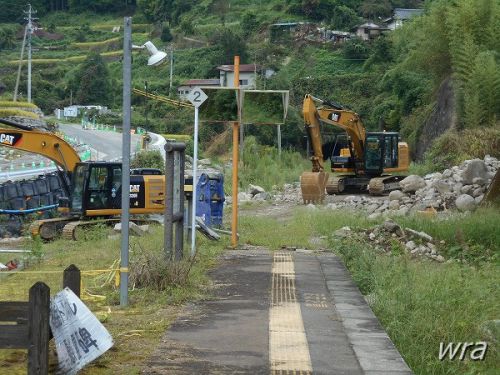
x=197 y=97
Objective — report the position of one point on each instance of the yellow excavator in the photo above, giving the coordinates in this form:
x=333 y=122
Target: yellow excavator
x=93 y=188
x=364 y=163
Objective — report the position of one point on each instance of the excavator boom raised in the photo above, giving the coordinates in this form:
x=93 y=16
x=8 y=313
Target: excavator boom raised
x=40 y=142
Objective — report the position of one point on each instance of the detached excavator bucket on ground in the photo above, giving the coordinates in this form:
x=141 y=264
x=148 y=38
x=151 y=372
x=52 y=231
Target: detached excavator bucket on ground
x=312 y=186
x=492 y=196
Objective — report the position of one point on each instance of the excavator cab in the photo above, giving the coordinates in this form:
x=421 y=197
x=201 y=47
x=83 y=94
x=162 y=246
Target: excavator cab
x=381 y=152
x=96 y=187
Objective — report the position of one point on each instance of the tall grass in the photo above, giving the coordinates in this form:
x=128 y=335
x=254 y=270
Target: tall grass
x=474 y=237
x=264 y=166
x=421 y=304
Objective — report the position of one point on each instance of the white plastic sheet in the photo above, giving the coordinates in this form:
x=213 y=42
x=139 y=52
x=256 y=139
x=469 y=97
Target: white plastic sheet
x=79 y=336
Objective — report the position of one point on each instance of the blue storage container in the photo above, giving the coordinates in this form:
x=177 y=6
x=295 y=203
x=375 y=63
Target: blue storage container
x=210 y=198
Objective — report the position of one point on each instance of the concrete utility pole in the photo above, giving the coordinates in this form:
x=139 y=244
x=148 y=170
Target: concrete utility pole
x=30 y=30
x=171 y=50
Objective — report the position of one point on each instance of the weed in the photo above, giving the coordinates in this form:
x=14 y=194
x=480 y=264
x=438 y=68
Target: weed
x=152 y=269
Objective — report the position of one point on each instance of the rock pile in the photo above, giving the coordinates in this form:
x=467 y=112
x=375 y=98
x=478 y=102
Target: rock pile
x=460 y=187
x=390 y=237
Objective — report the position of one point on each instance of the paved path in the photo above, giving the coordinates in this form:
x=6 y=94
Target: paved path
x=278 y=313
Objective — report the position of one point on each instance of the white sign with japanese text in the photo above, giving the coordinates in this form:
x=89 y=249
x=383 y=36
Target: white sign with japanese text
x=79 y=336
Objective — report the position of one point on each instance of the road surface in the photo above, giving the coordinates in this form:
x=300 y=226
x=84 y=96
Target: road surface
x=106 y=145
x=286 y=312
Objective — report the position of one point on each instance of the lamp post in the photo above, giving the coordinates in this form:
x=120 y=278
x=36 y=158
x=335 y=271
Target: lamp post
x=155 y=59
x=125 y=217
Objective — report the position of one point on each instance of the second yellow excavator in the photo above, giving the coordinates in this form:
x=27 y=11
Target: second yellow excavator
x=366 y=160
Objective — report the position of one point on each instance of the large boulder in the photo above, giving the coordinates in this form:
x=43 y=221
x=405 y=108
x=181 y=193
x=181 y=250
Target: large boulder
x=255 y=189
x=465 y=202
x=396 y=195
x=474 y=169
x=412 y=183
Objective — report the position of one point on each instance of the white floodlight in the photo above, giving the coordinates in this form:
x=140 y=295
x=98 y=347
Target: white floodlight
x=157 y=57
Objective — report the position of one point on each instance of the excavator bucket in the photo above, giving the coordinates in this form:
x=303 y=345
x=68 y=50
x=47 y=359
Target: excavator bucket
x=312 y=186
x=492 y=196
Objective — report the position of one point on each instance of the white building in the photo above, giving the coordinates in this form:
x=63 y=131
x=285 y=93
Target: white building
x=248 y=75
x=400 y=16
x=184 y=89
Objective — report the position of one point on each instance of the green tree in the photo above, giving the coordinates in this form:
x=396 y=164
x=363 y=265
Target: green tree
x=166 y=35
x=344 y=18
x=249 y=23
x=375 y=8
x=228 y=44
x=92 y=82
x=7 y=36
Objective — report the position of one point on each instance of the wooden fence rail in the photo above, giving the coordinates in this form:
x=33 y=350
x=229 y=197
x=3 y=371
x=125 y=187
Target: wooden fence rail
x=25 y=325
x=30 y=329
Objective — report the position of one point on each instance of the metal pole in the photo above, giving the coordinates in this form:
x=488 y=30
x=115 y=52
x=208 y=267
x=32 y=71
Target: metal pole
x=195 y=169
x=179 y=224
x=279 y=140
x=171 y=69
x=234 y=221
x=127 y=82
x=169 y=198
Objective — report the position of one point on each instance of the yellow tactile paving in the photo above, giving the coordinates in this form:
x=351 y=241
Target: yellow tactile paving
x=288 y=348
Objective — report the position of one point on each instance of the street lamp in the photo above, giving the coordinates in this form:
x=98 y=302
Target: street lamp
x=156 y=58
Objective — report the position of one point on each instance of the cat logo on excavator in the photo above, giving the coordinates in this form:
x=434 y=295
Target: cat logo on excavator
x=9 y=139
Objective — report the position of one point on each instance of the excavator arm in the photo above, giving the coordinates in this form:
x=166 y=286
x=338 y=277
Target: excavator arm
x=39 y=142
x=336 y=115
x=313 y=183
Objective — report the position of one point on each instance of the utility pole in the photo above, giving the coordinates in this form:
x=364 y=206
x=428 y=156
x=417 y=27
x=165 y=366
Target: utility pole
x=30 y=28
x=171 y=68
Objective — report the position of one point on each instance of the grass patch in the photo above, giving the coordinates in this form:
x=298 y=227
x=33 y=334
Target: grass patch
x=5 y=104
x=6 y=112
x=137 y=329
x=263 y=166
x=419 y=302
x=473 y=237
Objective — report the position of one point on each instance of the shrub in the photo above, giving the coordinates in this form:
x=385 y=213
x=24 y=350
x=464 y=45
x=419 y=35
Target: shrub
x=152 y=269
x=454 y=147
x=148 y=159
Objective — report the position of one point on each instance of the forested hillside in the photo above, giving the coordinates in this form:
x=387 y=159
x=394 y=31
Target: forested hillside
x=438 y=72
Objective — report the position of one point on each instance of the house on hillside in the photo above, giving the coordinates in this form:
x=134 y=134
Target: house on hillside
x=248 y=78
x=400 y=16
x=248 y=75
x=184 y=89
x=369 y=30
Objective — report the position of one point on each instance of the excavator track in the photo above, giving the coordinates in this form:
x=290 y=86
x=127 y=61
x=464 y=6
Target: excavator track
x=384 y=184
x=335 y=185
x=49 y=229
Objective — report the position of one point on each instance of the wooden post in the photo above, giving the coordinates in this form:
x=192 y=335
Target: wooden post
x=72 y=279
x=38 y=321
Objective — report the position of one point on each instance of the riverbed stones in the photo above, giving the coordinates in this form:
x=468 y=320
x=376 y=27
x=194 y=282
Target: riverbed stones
x=465 y=202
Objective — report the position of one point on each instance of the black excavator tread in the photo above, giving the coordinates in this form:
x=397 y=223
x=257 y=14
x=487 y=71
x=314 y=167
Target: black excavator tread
x=384 y=184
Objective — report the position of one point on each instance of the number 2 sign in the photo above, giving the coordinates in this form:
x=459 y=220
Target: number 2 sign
x=197 y=97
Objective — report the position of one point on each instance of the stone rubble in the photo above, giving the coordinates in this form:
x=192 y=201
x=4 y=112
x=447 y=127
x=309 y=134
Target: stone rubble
x=389 y=236
x=460 y=187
